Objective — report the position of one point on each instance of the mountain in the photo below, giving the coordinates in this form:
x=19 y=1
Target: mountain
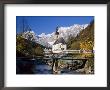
x=47 y=40
x=85 y=36
x=27 y=48
x=64 y=32
x=47 y=37
x=30 y=35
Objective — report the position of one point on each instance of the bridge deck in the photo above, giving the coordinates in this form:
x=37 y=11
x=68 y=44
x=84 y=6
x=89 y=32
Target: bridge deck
x=63 y=58
x=69 y=51
x=49 y=58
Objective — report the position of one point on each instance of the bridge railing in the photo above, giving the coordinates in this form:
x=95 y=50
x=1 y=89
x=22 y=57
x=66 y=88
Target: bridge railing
x=70 y=51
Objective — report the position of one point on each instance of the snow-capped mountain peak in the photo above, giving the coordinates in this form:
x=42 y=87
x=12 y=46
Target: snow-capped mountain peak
x=48 y=39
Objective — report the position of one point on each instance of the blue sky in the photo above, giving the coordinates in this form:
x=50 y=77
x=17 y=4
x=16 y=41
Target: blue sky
x=48 y=24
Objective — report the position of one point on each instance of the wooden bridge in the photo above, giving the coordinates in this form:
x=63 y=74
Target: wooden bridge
x=69 y=51
x=64 y=55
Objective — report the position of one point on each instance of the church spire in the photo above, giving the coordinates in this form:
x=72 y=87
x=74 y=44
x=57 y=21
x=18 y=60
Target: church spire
x=57 y=33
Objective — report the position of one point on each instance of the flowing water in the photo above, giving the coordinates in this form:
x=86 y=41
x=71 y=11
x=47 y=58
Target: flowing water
x=38 y=67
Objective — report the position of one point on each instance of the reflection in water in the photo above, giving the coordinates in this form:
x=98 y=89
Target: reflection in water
x=42 y=69
x=38 y=67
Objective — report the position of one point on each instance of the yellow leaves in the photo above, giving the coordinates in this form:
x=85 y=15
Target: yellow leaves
x=87 y=45
x=87 y=55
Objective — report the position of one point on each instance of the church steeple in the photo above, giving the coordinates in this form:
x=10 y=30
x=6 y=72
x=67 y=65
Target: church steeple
x=57 y=33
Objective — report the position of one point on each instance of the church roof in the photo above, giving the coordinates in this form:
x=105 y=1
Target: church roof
x=60 y=40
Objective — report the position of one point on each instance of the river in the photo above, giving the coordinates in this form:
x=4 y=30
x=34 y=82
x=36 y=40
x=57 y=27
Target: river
x=38 y=67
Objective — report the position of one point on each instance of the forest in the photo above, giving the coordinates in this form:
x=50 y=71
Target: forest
x=27 y=48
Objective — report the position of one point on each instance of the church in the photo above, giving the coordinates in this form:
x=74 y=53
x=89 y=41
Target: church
x=59 y=44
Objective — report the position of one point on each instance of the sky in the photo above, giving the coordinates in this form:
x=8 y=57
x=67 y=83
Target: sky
x=48 y=24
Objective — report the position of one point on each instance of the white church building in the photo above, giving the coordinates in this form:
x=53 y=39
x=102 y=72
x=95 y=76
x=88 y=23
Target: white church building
x=59 y=44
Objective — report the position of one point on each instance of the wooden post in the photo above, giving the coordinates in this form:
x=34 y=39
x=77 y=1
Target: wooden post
x=53 y=64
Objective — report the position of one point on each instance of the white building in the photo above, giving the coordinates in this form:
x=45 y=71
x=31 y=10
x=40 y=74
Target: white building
x=59 y=44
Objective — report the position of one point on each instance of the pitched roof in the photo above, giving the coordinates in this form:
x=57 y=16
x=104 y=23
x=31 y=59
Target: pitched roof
x=60 y=40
